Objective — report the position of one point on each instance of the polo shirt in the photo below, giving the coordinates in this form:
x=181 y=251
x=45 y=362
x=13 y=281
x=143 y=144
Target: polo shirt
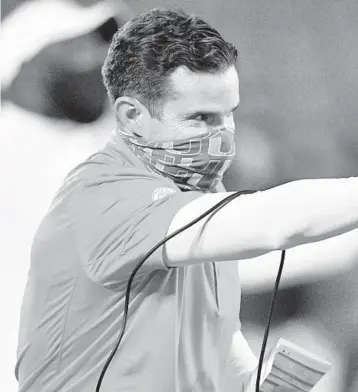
x=110 y=211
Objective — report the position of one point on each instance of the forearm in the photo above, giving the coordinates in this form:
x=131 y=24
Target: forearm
x=314 y=210
x=289 y=215
x=304 y=264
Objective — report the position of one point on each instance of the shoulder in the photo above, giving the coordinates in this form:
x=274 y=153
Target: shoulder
x=110 y=169
x=102 y=181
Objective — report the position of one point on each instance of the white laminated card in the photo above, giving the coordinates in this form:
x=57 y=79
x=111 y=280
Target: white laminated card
x=292 y=366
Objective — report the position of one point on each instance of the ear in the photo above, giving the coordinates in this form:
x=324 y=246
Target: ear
x=132 y=116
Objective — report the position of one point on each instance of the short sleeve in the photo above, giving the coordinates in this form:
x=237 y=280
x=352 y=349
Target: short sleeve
x=117 y=221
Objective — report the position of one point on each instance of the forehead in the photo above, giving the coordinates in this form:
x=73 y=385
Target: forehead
x=194 y=91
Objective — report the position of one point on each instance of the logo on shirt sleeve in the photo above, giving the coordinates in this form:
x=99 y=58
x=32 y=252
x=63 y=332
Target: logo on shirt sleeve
x=161 y=192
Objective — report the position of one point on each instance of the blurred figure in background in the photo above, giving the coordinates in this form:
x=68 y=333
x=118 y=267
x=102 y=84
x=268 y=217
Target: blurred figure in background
x=54 y=113
x=52 y=67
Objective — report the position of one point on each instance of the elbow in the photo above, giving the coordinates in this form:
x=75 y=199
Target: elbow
x=286 y=239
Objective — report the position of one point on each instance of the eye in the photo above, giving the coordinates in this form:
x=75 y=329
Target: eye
x=207 y=118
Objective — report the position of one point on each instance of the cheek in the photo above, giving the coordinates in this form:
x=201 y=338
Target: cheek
x=188 y=130
x=161 y=131
x=172 y=129
x=189 y=133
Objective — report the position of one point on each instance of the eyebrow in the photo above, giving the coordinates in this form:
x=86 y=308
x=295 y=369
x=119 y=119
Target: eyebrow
x=189 y=116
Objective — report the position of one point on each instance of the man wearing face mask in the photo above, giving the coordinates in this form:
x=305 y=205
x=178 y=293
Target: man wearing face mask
x=174 y=86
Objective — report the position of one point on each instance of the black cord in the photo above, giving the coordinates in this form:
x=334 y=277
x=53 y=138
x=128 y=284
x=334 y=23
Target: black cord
x=264 y=342
x=221 y=204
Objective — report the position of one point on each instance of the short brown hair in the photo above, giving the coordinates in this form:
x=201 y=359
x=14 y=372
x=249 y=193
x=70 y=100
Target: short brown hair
x=147 y=49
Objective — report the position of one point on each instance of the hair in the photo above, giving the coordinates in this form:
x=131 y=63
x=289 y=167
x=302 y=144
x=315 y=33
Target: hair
x=147 y=49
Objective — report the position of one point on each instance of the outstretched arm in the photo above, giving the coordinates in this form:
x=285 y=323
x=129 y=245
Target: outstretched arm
x=304 y=264
x=283 y=217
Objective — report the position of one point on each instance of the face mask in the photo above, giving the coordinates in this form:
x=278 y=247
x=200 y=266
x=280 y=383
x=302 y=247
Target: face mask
x=196 y=164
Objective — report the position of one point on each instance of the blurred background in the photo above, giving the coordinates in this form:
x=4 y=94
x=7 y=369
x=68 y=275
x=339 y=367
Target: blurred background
x=298 y=67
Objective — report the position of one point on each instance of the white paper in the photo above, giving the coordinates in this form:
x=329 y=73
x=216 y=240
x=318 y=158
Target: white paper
x=292 y=366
